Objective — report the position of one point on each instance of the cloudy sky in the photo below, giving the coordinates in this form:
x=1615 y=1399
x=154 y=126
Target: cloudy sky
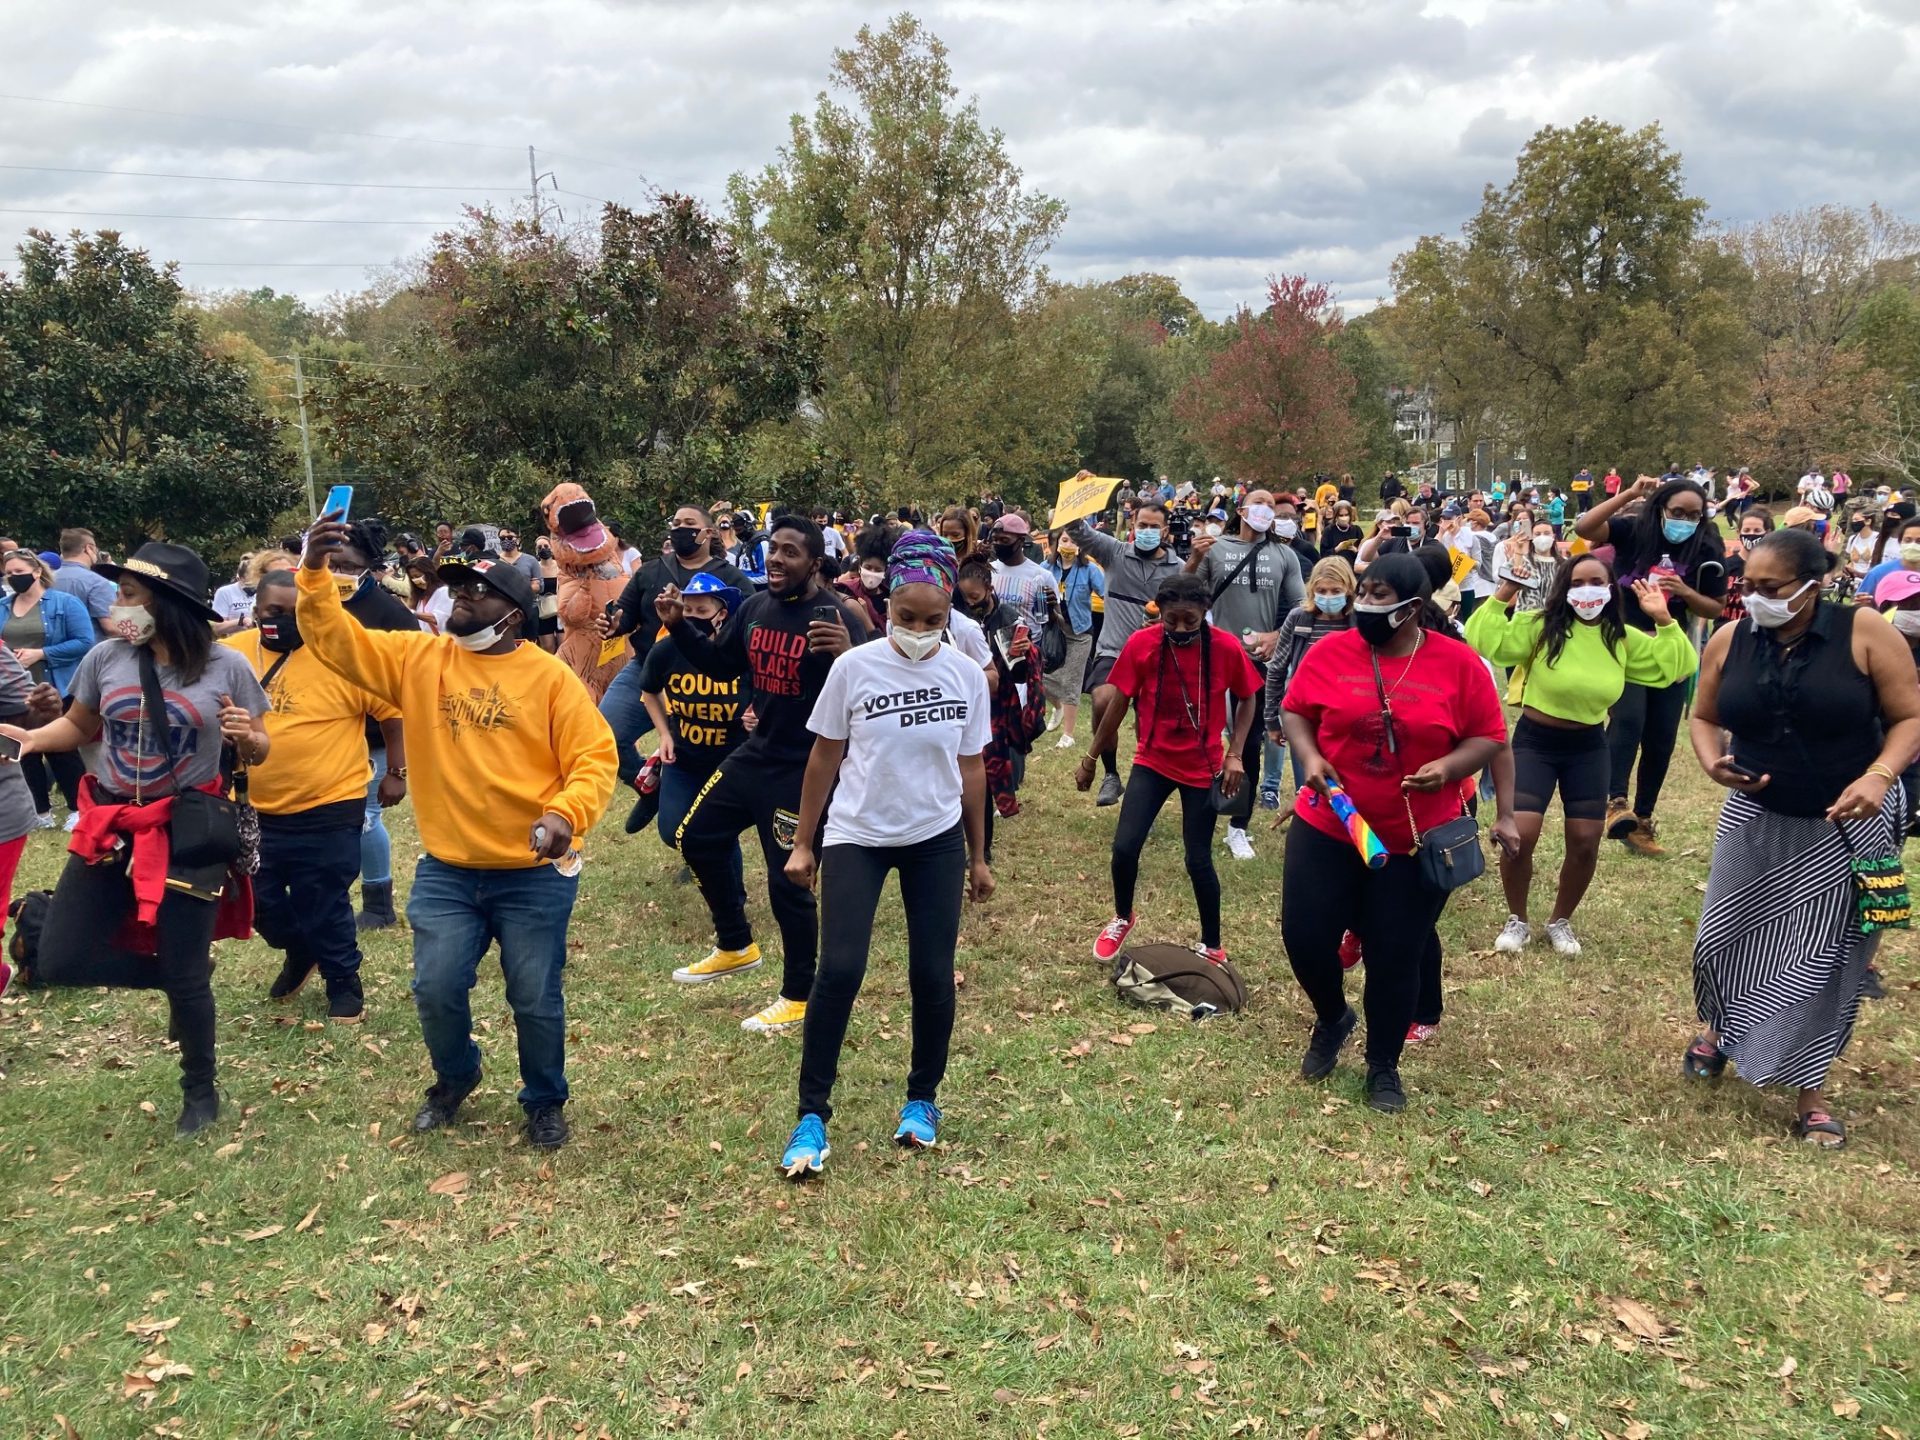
x=1214 y=140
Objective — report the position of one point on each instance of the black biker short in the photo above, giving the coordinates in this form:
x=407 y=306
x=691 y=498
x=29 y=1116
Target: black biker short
x=1575 y=760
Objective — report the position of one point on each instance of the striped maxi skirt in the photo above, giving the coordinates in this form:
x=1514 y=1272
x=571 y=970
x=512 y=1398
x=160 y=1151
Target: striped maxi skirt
x=1779 y=958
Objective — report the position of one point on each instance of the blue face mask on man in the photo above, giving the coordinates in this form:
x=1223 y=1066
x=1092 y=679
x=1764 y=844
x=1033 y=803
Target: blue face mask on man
x=1677 y=531
x=1146 y=539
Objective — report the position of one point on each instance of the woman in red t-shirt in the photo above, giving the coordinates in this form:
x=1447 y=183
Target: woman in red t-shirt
x=1177 y=675
x=1399 y=713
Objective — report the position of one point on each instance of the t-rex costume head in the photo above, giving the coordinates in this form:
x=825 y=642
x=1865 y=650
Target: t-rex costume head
x=590 y=579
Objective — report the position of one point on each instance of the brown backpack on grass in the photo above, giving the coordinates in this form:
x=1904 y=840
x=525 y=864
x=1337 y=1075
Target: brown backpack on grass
x=1176 y=979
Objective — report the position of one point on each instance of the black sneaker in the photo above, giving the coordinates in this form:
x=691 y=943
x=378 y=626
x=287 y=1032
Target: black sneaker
x=547 y=1127
x=1323 y=1046
x=345 y=1004
x=1871 y=987
x=1384 y=1092
x=443 y=1103
x=293 y=974
x=1110 y=791
x=200 y=1111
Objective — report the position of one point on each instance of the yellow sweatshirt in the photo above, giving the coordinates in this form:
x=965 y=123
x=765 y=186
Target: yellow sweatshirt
x=317 y=723
x=493 y=741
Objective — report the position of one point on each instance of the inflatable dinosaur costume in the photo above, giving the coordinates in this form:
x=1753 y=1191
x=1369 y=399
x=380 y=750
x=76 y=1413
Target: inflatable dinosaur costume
x=590 y=579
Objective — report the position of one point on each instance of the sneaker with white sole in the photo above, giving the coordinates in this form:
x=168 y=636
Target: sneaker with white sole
x=807 y=1149
x=1107 y=944
x=1560 y=933
x=73 y=819
x=44 y=822
x=919 y=1125
x=1515 y=937
x=718 y=964
x=1238 y=845
x=1065 y=742
x=777 y=1018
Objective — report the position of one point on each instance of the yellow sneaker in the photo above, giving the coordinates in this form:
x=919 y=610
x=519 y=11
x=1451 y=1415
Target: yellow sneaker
x=778 y=1018
x=718 y=965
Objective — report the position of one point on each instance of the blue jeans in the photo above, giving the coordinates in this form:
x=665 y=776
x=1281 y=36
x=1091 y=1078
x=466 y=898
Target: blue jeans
x=1270 y=768
x=678 y=787
x=376 y=846
x=622 y=710
x=303 y=897
x=455 y=914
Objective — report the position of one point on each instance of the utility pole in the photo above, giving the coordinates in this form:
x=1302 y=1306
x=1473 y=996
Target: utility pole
x=306 y=439
x=534 y=177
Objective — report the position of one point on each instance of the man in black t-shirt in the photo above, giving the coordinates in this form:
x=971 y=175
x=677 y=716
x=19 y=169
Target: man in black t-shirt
x=782 y=642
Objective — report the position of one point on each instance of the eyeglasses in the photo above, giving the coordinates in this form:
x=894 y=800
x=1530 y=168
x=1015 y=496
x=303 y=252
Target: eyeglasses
x=473 y=589
x=1777 y=589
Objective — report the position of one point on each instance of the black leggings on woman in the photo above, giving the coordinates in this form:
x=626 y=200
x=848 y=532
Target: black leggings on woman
x=90 y=904
x=65 y=769
x=933 y=873
x=1647 y=719
x=1147 y=791
x=1327 y=889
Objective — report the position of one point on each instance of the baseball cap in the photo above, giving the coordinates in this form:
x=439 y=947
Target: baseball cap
x=1896 y=586
x=1012 y=525
x=475 y=536
x=496 y=575
x=1798 y=515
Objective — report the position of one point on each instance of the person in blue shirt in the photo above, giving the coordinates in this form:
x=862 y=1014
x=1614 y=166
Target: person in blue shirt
x=50 y=633
x=1079 y=580
x=1557 y=510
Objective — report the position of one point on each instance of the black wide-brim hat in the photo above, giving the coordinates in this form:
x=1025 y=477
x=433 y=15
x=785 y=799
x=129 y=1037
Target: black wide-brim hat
x=167 y=567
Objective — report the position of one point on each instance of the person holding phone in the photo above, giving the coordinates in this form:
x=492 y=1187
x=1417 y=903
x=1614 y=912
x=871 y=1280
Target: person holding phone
x=782 y=641
x=512 y=765
x=1807 y=711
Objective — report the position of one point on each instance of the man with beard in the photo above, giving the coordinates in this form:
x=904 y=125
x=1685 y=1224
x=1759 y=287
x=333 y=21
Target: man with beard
x=515 y=766
x=783 y=640
x=311 y=798
x=691 y=540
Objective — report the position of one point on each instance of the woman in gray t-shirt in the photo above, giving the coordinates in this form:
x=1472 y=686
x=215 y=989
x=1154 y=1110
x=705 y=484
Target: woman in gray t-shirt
x=211 y=699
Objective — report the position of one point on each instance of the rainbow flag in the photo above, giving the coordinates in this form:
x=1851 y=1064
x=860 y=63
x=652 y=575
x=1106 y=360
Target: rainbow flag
x=1361 y=833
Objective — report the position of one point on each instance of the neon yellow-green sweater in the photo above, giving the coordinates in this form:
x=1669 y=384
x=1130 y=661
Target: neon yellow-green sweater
x=1588 y=677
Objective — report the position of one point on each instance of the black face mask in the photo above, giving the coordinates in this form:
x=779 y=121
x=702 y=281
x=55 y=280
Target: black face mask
x=1378 y=630
x=1008 y=550
x=684 y=539
x=20 y=584
x=280 y=633
x=1180 y=637
x=702 y=627
x=975 y=609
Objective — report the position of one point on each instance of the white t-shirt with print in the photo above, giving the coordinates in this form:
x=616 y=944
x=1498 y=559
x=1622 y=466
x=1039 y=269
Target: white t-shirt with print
x=906 y=724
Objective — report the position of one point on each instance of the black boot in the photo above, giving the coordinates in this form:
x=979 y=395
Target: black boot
x=294 y=971
x=443 y=1102
x=202 y=1108
x=376 y=906
x=345 y=1004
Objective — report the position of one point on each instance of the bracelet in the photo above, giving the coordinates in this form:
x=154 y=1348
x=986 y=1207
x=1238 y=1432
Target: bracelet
x=1882 y=771
x=398 y=772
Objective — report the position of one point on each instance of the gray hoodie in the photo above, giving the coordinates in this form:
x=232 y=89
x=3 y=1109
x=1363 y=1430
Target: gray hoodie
x=1132 y=580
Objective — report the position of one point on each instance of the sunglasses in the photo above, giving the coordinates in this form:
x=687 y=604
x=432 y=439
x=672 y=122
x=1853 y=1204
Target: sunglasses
x=473 y=589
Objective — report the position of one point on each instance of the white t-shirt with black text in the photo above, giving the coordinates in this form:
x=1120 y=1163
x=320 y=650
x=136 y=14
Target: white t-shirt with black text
x=906 y=724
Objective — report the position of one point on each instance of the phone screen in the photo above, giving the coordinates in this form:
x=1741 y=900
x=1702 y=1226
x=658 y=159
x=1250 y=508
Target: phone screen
x=339 y=502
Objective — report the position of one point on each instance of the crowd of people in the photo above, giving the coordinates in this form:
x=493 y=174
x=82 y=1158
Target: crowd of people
x=864 y=699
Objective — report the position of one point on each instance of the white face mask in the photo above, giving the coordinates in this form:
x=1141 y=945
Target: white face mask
x=1771 y=614
x=1907 y=622
x=1589 y=600
x=1910 y=556
x=1542 y=544
x=873 y=579
x=1213 y=528
x=489 y=636
x=1286 y=529
x=132 y=623
x=1259 y=518
x=916 y=645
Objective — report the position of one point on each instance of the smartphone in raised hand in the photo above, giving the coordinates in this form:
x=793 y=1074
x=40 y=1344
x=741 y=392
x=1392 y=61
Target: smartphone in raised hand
x=339 y=503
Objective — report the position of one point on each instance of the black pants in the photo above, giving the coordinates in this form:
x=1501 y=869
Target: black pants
x=42 y=772
x=932 y=879
x=303 y=897
x=1327 y=889
x=90 y=904
x=1549 y=757
x=748 y=796
x=1646 y=720
x=1251 y=755
x=1147 y=791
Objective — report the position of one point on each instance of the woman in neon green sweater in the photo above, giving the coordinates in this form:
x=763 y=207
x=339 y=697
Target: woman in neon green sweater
x=1578 y=655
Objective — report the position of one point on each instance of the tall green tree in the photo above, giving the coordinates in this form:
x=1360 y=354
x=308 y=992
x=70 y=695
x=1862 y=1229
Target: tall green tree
x=114 y=413
x=899 y=221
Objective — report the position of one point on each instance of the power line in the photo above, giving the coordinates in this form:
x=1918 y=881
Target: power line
x=241 y=219
x=290 y=264
x=256 y=180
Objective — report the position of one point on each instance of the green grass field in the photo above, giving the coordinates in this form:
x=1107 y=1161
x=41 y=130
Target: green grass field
x=1135 y=1226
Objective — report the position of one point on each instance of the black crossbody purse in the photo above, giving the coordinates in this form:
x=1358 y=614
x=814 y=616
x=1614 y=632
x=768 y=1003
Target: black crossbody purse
x=207 y=829
x=1450 y=854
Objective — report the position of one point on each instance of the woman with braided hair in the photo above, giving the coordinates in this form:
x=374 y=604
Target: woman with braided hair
x=1178 y=675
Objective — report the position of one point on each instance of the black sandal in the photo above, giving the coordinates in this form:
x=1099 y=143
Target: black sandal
x=1816 y=1123
x=1704 y=1060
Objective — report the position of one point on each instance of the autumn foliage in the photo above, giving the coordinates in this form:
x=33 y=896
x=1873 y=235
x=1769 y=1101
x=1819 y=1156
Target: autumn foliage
x=1276 y=404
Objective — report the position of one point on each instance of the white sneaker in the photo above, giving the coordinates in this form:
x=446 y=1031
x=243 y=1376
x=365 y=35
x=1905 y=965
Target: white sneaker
x=1065 y=742
x=1514 y=937
x=1560 y=932
x=43 y=822
x=1238 y=845
x=72 y=820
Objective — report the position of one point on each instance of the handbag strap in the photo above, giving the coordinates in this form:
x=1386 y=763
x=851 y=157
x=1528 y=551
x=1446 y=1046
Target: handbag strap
x=1234 y=574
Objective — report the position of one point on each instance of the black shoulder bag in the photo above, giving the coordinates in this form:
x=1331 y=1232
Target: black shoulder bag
x=207 y=829
x=1053 y=637
x=1450 y=855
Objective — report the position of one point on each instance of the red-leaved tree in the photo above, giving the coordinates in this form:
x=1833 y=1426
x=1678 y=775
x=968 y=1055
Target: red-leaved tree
x=1276 y=405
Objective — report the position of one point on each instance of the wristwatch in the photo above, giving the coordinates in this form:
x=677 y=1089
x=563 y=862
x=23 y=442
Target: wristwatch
x=398 y=772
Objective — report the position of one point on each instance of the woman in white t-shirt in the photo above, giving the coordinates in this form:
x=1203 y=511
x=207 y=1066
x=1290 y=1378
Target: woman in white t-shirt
x=901 y=724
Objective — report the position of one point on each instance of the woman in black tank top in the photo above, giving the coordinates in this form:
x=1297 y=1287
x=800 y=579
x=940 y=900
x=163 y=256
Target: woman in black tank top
x=1807 y=712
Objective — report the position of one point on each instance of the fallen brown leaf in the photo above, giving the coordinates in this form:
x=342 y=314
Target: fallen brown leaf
x=454 y=1182
x=1639 y=1319
x=265 y=1232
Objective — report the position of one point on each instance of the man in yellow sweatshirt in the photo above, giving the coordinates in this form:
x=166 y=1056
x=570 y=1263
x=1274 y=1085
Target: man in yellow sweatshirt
x=510 y=764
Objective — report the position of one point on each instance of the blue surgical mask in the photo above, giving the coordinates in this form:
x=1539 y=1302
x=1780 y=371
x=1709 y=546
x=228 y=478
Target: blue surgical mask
x=1678 y=530
x=1330 y=604
x=1147 y=539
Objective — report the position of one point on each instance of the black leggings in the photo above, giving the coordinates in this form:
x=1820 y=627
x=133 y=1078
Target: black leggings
x=1251 y=755
x=65 y=768
x=932 y=877
x=90 y=904
x=1327 y=889
x=1647 y=720
x=1147 y=791
x=1575 y=760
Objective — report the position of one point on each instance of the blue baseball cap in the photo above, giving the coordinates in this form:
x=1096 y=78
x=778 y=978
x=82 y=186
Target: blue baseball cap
x=709 y=584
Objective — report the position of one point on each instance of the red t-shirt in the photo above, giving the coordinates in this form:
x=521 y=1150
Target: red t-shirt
x=1446 y=697
x=1169 y=743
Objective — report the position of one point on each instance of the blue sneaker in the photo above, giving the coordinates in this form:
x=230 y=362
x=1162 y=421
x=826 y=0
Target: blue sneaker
x=919 y=1125
x=1269 y=799
x=807 y=1148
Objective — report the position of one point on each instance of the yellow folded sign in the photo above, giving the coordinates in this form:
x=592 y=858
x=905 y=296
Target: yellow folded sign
x=1080 y=497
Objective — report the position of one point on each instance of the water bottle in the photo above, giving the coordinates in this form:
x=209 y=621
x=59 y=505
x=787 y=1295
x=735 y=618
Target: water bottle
x=568 y=864
x=1665 y=567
